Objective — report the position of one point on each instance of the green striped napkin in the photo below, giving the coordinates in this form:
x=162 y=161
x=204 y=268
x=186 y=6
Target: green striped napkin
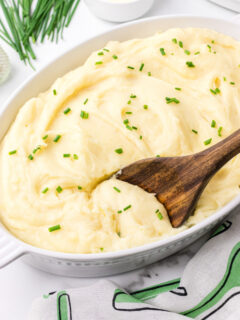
x=209 y=289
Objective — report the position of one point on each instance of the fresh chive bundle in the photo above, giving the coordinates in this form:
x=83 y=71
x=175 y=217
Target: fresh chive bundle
x=27 y=21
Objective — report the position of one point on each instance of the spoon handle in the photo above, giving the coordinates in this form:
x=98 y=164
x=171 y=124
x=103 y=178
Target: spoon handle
x=218 y=155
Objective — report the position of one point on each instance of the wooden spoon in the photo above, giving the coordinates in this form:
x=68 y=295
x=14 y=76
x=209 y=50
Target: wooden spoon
x=179 y=181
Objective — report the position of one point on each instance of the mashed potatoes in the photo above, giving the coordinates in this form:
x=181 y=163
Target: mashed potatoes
x=171 y=94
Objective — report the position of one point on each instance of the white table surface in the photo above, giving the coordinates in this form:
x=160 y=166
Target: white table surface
x=21 y=284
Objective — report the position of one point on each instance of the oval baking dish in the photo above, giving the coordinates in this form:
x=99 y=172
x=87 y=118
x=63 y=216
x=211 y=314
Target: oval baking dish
x=102 y=264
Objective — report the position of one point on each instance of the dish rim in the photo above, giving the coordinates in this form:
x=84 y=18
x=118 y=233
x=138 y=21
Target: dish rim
x=221 y=213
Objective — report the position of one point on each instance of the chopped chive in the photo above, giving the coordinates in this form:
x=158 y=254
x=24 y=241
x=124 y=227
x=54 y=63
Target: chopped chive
x=12 y=152
x=66 y=111
x=190 y=64
x=54 y=92
x=159 y=214
x=54 y=228
x=171 y=100
x=149 y=73
x=115 y=57
x=195 y=131
x=119 y=211
x=128 y=127
x=45 y=190
x=119 y=234
x=86 y=101
x=196 y=53
x=57 y=138
x=209 y=47
x=134 y=128
x=105 y=49
x=79 y=188
x=220 y=131
x=75 y=156
x=232 y=83
x=100 y=53
x=116 y=189
x=213 y=41
x=145 y=107
x=174 y=40
x=133 y=96
x=101 y=249
x=84 y=114
x=59 y=189
x=126 y=121
x=178 y=89
x=208 y=141
x=140 y=137
x=98 y=62
x=30 y=157
x=216 y=91
x=36 y=149
x=162 y=50
x=213 y=124
x=129 y=102
x=141 y=67
x=45 y=137
x=187 y=52
x=224 y=79
x=180 y=44
x=128 y=112
x=129 y=67
x=128 y=207
x=119 y=150
x=66 y=155
x=158 y=156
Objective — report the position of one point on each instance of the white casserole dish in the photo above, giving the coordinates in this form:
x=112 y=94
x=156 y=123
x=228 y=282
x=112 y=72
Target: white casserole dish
x=102 y=264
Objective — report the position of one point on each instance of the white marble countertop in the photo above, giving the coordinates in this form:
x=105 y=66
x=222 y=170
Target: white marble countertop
x=21 y=284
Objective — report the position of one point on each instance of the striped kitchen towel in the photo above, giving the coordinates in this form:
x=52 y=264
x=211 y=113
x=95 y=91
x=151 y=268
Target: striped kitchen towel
x=209 y=289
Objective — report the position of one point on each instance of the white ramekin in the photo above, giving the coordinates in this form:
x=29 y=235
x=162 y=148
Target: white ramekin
x=119 y=11
x=103 y=264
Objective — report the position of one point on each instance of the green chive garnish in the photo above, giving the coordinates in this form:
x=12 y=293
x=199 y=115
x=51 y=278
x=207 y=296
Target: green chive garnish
x=119 y=234
x=216 y=91
x=100 y=53
x=141 y=67
x=116 y=189
x=213 y=41
x=54 y=92
x=209 y=47
x=174 y=40
x=128 y=127
x=119 y=150
x=12 y=152
x=119 y=211
x=224 y=79
x=59 y=189
x=190 y=64
x=195 y=131
x=79 y=188
x=128 y=112
x=232 y=83
x=30 y=157
x=66 y=155
x=75 y=156
x=178 y=89
x=208 y=141
x=213 y=124
x=187 y=52
x=101 y=249
x=115 y=57
x=149 y=73
x=84 y=114
x=57 y=138
x=160 y=216
x=45 y=137
x=171 y=100
x=133 y=96
x=129 y=67
x=86 y=101
x=128 y=207
x=98 y=62
x=220 y=131
x=54 y=228
x=45 y=190
x=134 y=128
x=129 y=102
x=105 y=49
x=180 y=44
x=36 y=149
x=66 y=111
x=158 y=156
x=140 y=137
x=145 y=107
x=196 y=53
x=162 y=51
x=126 y=121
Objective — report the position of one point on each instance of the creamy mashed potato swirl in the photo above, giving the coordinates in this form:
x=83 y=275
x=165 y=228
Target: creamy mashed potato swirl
x=66 y=143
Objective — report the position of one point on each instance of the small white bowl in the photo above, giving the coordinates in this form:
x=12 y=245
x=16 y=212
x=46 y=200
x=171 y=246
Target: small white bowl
x=119 y=10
